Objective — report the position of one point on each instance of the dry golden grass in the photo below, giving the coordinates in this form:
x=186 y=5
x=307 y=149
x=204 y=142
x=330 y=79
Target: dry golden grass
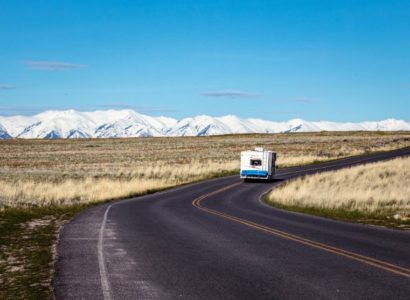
x=44 y=172
x=377 y=188
x=89 y=189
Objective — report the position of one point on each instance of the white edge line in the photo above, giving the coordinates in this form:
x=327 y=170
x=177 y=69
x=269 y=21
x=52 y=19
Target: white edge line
x=105 y=285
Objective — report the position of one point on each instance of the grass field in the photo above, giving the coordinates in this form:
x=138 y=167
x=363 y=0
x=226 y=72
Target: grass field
x=64 y=172
x=44 y=183
x=377 y=193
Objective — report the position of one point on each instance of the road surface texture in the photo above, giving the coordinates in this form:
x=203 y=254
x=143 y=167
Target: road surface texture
x=217 y=240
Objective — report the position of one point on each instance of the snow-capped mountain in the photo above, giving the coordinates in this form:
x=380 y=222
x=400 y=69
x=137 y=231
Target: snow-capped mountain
x=4 y=134
x=129 y=123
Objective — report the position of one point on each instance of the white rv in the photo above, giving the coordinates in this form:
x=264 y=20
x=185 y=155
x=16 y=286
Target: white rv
x=258 y=164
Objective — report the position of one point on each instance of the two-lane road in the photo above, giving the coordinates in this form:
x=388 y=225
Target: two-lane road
x=217 y=240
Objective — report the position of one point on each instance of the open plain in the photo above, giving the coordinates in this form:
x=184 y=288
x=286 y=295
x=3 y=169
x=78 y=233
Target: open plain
x=64 y=172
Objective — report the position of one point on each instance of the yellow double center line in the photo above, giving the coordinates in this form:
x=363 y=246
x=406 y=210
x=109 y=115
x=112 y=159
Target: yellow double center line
x=355 y=256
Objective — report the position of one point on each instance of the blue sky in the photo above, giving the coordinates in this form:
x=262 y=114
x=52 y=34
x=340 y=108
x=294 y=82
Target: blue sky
x=278 y=60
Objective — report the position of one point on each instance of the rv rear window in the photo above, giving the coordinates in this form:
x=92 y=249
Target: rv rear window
x=256 y=162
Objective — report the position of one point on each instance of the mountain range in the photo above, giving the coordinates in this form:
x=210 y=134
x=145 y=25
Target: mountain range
x=129 y=123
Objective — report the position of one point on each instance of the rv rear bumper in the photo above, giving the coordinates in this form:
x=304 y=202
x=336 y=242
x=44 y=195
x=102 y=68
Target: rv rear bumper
x=254 y=174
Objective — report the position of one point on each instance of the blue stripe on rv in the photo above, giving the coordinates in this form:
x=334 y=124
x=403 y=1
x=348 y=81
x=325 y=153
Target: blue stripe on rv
x=256 y=173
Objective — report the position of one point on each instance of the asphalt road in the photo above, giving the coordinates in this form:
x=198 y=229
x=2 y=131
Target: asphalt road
x=217 y=240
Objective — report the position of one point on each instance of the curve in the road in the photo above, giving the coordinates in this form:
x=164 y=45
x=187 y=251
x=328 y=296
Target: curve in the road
x=217 y=240
x=355 y=256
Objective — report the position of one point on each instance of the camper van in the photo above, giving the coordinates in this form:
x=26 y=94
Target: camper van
x=258 y=164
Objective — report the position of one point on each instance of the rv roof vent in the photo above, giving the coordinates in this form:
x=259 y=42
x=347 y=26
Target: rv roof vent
x=259 y=149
